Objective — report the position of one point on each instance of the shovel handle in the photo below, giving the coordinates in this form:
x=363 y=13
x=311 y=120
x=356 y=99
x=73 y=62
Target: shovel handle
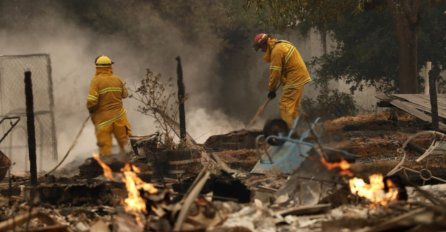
x=261 y=109
x=258 y=113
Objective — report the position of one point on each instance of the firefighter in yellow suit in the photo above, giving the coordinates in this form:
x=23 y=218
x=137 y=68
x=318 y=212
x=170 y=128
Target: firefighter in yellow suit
x=104 y=102
x=287 y=68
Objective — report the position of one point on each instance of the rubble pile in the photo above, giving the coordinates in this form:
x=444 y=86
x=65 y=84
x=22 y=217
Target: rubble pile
x=341 y=184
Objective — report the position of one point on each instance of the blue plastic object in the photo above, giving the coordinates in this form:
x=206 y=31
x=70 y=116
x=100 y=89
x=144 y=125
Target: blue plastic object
x=286 y=158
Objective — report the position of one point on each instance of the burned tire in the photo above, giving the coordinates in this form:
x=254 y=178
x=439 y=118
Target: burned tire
x=275 y=127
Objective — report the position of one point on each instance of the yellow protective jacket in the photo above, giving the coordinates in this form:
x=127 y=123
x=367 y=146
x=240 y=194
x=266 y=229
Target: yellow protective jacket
x=105 y=96
x=287 y=65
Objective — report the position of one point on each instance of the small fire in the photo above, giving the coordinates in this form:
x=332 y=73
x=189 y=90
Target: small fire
x=134 y=202
x=344 y=166
x=374 y=192
x=108 y=173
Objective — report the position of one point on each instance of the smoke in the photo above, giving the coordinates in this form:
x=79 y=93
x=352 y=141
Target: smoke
x=225 y=79
x=148 y=42
x=204 y=124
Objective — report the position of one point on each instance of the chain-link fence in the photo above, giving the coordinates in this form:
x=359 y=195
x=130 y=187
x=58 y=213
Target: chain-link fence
x=13 y=103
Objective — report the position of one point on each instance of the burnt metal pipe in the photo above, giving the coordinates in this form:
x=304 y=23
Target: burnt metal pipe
x=31 y=127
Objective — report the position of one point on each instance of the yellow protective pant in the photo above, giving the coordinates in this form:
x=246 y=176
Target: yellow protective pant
x=120 y=128
x=289 y=104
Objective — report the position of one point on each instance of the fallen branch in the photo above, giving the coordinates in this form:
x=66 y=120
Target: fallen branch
x=305 y=210
x=190 y=197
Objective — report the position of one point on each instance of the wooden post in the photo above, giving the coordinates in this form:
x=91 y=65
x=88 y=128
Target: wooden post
x=31 y=127
x=427 y=68
x=433 y=74
x=181 y=99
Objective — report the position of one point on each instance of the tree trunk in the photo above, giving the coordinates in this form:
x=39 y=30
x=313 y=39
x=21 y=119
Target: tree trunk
x=405 y=18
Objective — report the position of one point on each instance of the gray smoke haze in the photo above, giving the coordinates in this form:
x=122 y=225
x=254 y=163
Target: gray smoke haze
x=73 y=49
x=225 y=85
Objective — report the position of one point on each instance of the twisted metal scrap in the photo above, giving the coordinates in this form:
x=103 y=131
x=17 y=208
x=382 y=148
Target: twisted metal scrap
x=434 y=145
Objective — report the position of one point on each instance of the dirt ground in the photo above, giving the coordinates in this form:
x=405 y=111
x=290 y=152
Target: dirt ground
x=374 y=139
x=371 y=137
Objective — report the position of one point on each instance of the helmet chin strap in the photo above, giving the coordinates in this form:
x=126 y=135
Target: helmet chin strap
x=263 y=46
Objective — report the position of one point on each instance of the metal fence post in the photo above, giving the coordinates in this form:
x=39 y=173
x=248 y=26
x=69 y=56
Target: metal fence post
x=31 y=127
x=181 y=99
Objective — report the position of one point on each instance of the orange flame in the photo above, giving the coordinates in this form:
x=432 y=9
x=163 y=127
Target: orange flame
x=134 y=202
x=374 y=191
x=344 y=166
x=108 y=173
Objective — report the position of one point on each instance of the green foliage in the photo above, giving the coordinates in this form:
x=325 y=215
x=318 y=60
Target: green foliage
x=329 y=104
x=367 y=51
x=432 y=35
x=316 y=13
x=365 y=54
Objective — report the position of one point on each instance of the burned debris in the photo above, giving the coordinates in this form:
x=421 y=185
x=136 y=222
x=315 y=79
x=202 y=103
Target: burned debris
x=335 y=175
x=317 y=195
x=276 y=179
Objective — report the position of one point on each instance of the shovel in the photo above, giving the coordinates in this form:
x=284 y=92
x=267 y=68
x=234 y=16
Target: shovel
x=260 y=110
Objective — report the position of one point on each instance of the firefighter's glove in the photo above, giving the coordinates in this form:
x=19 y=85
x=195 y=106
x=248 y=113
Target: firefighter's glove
x=271 y=95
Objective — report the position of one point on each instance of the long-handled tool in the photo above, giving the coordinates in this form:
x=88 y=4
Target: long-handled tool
x=260 y=110
x=71 y=147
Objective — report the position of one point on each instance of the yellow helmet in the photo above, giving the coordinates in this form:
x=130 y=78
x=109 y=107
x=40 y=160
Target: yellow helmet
x=103 y=61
